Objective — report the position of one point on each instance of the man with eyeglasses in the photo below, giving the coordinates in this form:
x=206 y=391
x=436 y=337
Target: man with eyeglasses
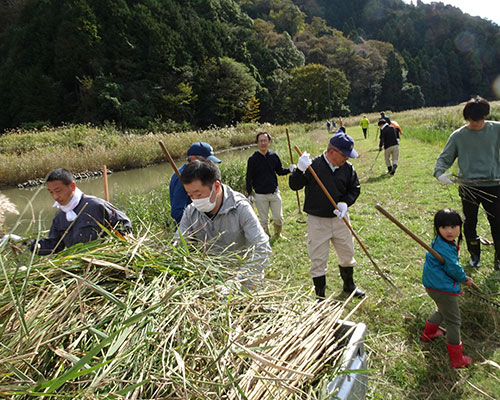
x=324 y=222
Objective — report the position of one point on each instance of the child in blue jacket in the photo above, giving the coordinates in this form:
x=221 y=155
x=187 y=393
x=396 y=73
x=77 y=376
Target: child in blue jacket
x=442 y=283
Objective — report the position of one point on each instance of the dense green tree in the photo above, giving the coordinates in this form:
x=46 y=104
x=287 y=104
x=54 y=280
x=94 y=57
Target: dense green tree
x=225 y=88
x=392 y=83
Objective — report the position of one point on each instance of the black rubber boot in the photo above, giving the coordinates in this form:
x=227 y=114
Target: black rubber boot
x=394 y=169
x=320 y=287
x=389 y=169
x=474 y=247
x=346 y=273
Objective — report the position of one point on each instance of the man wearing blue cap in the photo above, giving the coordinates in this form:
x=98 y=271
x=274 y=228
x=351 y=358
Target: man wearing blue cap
x=179 y=199
x=324 y=222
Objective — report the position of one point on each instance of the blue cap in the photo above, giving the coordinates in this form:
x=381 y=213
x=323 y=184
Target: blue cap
x=202 y=149
x=345 y=144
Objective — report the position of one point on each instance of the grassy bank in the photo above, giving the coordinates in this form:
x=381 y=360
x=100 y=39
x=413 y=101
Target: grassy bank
x=26 y=155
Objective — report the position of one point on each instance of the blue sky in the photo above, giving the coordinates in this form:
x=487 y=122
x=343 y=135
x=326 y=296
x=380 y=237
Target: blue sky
x=489 y=9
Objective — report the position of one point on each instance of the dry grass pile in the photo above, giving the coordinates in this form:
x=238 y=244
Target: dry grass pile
x=141 y=319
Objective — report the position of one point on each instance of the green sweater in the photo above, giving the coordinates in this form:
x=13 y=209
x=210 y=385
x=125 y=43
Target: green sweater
x=477 y=153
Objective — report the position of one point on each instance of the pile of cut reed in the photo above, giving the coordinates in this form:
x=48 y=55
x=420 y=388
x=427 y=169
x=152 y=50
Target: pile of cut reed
x=140 y=319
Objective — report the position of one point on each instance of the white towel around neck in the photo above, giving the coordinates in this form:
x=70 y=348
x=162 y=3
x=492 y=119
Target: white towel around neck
x=68 y=208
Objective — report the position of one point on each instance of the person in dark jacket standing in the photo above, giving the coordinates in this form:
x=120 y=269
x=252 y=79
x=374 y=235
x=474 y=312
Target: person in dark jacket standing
x=179 y=199
x=324 y=222
x=262 y=168
x=389 y=139
x=79 y=216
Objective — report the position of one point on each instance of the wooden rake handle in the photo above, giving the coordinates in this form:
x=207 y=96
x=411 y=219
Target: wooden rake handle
x=170 y=159
x=327 y=194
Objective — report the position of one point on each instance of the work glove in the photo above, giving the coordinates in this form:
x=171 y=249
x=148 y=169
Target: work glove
x=445 y=179
x=251 y=199
x=304 y=161
x=342 y=210
x=11 y=237
x=292 y=168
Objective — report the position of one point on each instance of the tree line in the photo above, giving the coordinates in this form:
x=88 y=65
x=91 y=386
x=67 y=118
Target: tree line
x=179 y=64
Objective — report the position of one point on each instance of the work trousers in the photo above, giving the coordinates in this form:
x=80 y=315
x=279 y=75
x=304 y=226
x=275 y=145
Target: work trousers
x=320 y=232
x=391 y=152
x=272 y=201
x=489 y=198
x=448 y=312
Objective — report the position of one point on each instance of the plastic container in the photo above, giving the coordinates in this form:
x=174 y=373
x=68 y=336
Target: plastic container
x=351 y=385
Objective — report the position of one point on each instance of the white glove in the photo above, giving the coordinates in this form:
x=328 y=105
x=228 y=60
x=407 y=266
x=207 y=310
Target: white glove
x=251 y=199
x=342 y=210
x=445 y=179
x=304 y=161
x=12 y=237
x=292 y=168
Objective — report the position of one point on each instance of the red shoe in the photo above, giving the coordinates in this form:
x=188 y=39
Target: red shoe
x=431 y=331
x=457 y=359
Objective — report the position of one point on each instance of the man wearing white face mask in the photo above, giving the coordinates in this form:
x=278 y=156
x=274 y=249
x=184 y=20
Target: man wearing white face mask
x=78 y=216
x=223 y=220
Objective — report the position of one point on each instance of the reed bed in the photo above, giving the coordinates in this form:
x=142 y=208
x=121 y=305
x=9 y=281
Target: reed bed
x=139 y=319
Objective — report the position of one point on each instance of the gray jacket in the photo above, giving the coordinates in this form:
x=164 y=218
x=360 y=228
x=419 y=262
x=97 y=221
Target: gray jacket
x=235 y=228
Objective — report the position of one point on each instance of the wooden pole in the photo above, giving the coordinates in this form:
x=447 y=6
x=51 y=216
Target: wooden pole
x=291 y=161
x=170 y=159
x=385 y=213
x=105 y=176
x=325 y=191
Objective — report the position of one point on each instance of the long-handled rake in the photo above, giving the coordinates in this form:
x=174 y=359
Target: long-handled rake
x=374 y=161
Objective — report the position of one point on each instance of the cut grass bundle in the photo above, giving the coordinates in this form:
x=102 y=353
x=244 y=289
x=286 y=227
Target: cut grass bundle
x=141 y=319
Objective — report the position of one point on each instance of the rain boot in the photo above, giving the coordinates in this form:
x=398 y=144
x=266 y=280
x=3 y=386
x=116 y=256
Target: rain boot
x=320 y=287
x=346 y=273
x=389 y=169
x=431 y=331
x=474 y=247
x=394 y=169
x=277 y=231
x=457 y=359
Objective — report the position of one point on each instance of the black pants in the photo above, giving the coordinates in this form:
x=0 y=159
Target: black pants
x=489 y=198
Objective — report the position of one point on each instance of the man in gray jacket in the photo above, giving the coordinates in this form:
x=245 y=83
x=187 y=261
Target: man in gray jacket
x=223 y=220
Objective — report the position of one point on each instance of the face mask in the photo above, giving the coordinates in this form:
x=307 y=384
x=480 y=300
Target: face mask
x=204 y=204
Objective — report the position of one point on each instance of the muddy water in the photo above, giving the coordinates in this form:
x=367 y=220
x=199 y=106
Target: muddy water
x=37 y=203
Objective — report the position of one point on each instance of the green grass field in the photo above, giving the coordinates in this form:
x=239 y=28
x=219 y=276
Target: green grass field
x=403 y=366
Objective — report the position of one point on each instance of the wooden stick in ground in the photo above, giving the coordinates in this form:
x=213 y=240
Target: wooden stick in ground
x=105 y=176
x=170 y=159
x=385 y=213
x=291 y=161
x=327 y=194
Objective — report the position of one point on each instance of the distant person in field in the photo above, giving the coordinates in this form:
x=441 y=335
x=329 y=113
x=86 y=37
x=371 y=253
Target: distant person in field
x=79 y=216
x=324 y=222
x=262 y=168
x=328 y=126
x=364 y=124
x=397 y=127
x=442 y=284
x=383 y=116
x=179 y=199
x=389 y=140
x=222 y=220
x=476 y=145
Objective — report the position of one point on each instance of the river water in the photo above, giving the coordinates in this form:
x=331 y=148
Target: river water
x=35 y=204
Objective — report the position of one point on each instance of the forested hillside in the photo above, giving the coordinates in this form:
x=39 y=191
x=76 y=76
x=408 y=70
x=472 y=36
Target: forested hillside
x=177 y=64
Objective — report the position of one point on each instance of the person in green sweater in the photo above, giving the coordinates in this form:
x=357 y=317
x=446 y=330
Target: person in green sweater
x=476 y=145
